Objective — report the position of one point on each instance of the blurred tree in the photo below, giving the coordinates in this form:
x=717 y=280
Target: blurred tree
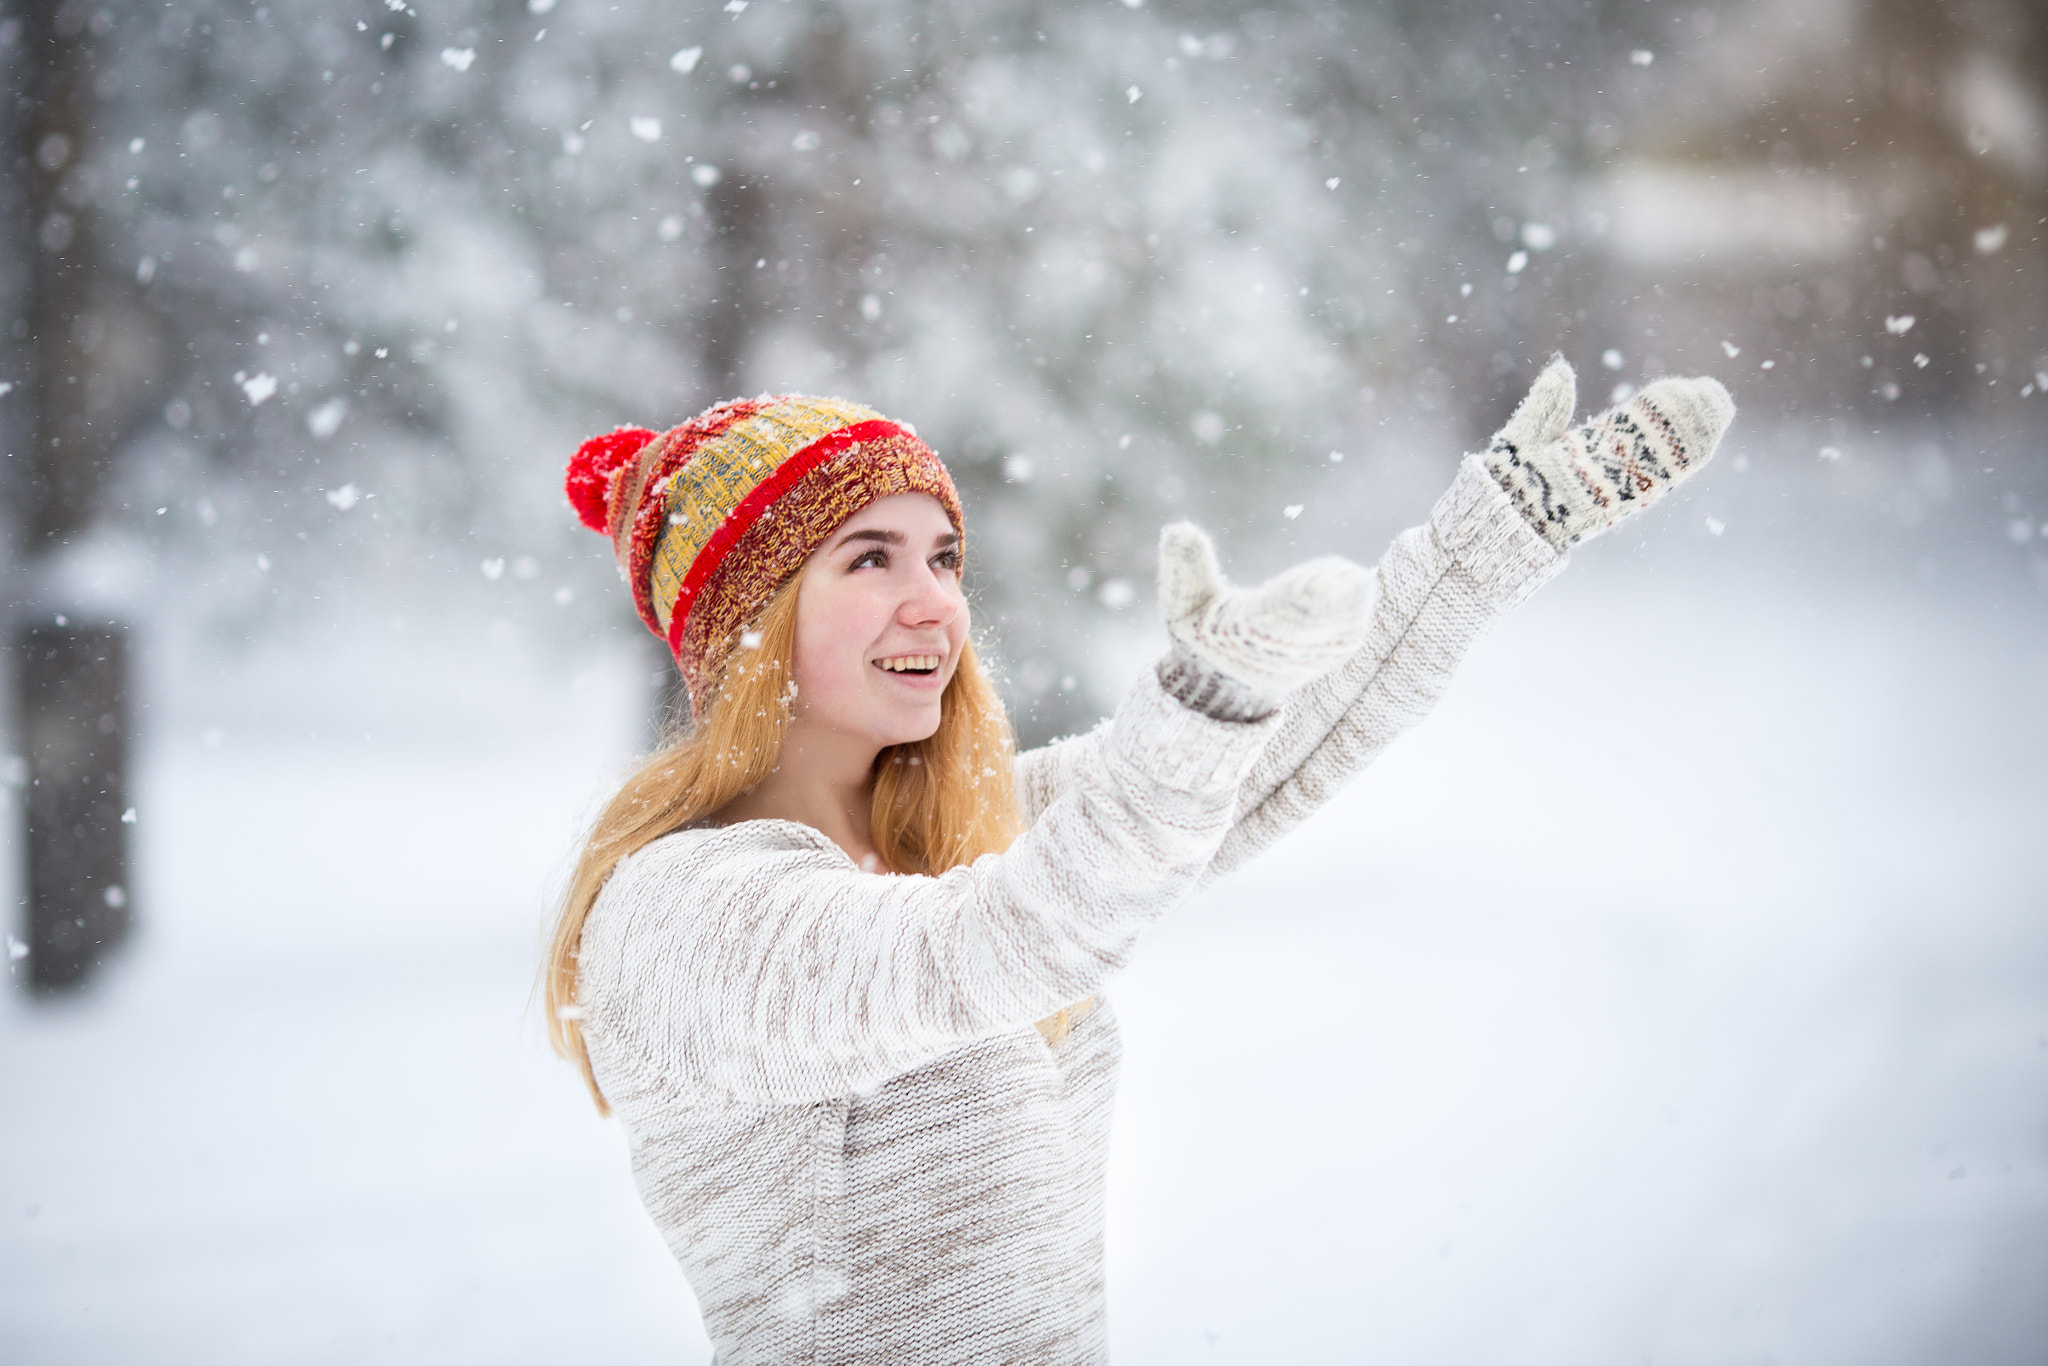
x=91 y=357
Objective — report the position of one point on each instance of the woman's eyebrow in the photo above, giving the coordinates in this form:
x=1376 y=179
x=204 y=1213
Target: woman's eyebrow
x=872 y=534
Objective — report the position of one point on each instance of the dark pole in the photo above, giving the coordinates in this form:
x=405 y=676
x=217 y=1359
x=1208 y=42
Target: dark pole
x=71 y=683
x=70 y=671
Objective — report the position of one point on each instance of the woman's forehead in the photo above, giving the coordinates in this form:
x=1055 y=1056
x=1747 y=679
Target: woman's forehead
x=913 y=514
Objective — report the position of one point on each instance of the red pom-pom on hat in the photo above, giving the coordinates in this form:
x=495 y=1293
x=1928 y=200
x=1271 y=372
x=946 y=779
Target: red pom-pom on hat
x=590 y=472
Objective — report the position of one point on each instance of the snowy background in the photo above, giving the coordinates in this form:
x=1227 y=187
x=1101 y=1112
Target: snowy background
x=1678 y=993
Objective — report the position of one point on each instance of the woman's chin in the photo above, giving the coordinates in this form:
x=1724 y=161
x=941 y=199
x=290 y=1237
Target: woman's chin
x=912 y=726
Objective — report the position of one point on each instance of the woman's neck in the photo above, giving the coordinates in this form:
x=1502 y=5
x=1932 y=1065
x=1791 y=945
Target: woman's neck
x=824 y=781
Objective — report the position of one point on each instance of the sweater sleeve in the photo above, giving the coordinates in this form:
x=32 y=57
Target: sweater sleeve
x=1440 y=585
x=755 y=961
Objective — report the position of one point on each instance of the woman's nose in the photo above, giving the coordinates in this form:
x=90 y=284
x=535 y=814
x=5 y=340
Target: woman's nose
x=932 y=600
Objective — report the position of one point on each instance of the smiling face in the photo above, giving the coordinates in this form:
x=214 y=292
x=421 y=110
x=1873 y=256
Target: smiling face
x=880 y=623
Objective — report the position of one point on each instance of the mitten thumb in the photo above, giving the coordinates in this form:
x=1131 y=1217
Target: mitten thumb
x=1188 y=573
x=1544 y=413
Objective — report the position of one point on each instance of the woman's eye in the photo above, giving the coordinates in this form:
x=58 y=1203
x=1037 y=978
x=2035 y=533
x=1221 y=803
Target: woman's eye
x=947 y=559
x=870 y=558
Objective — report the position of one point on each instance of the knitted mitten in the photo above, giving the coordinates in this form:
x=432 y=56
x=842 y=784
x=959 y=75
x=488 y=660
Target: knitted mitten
x=1238 y=652
x=1577 y=483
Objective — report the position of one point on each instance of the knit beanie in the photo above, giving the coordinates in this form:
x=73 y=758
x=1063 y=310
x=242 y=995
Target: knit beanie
x=709 y=518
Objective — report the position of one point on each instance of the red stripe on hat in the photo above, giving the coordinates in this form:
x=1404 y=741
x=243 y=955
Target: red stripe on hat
x=758 y=500
x=679 y=444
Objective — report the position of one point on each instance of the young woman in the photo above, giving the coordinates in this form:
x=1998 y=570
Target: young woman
x=835 y=955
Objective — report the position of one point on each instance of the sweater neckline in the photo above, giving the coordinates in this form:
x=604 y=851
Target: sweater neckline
x=810 y=834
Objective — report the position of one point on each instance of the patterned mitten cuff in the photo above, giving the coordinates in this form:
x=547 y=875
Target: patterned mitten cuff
x=1576 y=483
x=1216 y=695
x=1238 y=652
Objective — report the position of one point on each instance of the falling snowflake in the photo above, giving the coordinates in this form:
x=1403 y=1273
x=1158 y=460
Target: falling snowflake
x=1133 y=95
x=645 y=127
x=1730 y=350
x=325 y=420
x=1611 y=358
x=1517 y=262
x=1332 y=183
x=457 y=58
x=1899 y=324
x=684 y=62
x=706 y=175
x=1715 y=526
x=1292 y=511
x=343 y=498
x=258 y=387
x=1642 y=56
x=494 y=568
x=1989 y=241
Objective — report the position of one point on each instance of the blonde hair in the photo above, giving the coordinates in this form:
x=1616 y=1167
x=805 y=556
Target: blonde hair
x=938 y=803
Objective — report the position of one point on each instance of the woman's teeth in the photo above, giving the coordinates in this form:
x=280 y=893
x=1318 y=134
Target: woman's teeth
x=922 y=664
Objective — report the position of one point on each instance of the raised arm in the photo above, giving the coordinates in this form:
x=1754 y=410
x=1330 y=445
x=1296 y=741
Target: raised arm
x=1499 y=532
x=1436 y=587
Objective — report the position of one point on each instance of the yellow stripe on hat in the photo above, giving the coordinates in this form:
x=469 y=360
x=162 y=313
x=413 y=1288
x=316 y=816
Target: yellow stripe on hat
x=720 y=474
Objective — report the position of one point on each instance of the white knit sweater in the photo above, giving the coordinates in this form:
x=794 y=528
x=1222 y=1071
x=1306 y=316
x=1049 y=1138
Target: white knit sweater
x=841 y=1116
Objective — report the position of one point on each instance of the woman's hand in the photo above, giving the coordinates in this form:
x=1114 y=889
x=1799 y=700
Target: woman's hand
x=1238 y=652
x=1576 y=483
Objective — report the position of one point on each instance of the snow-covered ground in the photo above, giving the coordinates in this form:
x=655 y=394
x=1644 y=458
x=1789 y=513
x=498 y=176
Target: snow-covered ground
x=1678 y=993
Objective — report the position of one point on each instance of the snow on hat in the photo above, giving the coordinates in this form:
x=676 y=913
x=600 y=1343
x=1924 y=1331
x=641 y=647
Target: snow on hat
x=708 y=518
